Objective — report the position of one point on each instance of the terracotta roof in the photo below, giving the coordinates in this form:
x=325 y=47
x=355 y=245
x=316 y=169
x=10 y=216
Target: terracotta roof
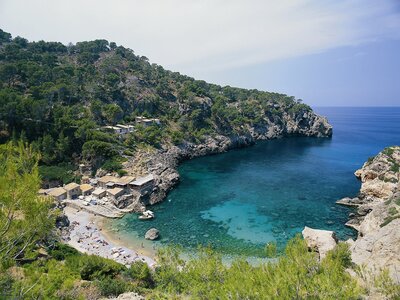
x=71 y=186
x=57 y=192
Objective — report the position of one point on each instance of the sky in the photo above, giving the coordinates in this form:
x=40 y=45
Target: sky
x=328 y=53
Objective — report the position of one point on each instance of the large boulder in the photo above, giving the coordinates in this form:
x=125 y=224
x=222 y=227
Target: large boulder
x=152 y=234
x=320 y=241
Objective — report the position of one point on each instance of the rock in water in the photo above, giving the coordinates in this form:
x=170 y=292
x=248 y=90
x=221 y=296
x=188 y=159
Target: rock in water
x=152 y=234
x=319 y=240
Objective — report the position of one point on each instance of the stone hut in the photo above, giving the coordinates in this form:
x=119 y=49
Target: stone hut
x=143 y=185
x=107 y=181
x=58 y=193
x=99 y=193
x=115 y=193
x=73 y=190
x=86 y=189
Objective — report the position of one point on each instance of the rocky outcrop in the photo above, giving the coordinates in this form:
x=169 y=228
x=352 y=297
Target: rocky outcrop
x=377 y=218
x=152 y=234
x=127 y=296
x=318 y=240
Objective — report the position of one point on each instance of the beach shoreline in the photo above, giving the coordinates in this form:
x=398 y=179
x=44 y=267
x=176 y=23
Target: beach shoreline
x=88 y=234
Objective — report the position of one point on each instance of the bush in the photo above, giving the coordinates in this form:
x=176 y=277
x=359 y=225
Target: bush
x=61 y=251
x=6 y=283
x=112 y=287
x=112 y=165
x=141 y=273
x=62 y=172
x=296 y=275
x=91 y=267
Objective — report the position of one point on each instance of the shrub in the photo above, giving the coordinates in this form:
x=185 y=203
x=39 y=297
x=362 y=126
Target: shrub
x=6 y=283
x=112 y=287
x=62 y=172
x=112 y=165
x=93 y=267
x=141 y=273
x=61 y=251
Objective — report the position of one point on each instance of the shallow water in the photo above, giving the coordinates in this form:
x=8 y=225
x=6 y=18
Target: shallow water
x=239 y=201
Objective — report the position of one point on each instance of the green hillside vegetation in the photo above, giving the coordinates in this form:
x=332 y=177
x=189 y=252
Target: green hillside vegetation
x=55 y=97
x=34 y=265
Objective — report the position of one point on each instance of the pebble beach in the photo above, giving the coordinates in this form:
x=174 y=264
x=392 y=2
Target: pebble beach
x=87 y=235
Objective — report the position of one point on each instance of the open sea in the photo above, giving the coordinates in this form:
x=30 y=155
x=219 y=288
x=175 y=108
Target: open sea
x=238 y=201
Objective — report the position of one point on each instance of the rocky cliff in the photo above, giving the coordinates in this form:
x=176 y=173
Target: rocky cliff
x=163 y=162
x=377 y=218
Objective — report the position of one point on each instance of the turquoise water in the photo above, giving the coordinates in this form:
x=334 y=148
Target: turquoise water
x=239 y=201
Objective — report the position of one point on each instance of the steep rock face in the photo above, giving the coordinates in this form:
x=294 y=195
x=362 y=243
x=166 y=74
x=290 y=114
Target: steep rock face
x=163 y=163
x=378 y=214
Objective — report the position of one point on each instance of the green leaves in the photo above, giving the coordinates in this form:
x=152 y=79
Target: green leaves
x=25 y=217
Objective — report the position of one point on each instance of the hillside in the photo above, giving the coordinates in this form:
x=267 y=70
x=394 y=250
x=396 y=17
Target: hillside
x=56 y=97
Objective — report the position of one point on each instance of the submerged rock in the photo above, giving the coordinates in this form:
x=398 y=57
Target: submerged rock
x=320 y=241
x=152 y=234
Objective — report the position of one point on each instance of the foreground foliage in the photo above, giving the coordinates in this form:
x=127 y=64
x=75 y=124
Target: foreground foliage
x=25 y=218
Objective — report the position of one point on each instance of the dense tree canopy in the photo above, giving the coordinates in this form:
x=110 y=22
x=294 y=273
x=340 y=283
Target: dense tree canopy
x=56 y=97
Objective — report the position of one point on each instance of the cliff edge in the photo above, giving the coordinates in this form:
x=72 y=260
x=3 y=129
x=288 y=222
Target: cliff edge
x=377 y=218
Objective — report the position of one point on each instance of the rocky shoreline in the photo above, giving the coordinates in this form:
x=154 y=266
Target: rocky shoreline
x=377 y=218
x=163 y=162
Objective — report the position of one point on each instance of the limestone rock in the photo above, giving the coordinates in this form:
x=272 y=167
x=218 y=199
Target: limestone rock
x=380 y=249
x=128 y=296
x=152 y=234
x=319 y=240
x=377 y=219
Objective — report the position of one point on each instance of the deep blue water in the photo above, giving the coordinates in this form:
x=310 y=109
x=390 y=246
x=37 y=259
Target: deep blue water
x=238 y=201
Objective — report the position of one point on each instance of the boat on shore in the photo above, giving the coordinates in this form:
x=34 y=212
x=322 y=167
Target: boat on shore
x=147 y=215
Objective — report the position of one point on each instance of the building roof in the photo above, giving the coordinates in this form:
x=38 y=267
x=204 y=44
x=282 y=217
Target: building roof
x=98 y=191
x=108 y=178
x=115 y=191
x=124 y=126
x=143 y=180
x=71 y=186
x=57 y=192
x=125 y=180
x=86 y=187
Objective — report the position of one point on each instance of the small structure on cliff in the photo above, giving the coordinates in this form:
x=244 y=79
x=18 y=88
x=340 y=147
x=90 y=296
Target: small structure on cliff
x=147 y=122
x=99 y=193
x=73 y=190
x=86 y=189
x=115 y=193
x=143 y=185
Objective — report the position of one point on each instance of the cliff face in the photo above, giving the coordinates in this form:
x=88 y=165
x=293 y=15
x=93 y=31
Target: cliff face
x=378 y=214
x=163 y=163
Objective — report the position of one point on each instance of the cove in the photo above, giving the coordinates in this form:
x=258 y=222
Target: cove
x=238 y=201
